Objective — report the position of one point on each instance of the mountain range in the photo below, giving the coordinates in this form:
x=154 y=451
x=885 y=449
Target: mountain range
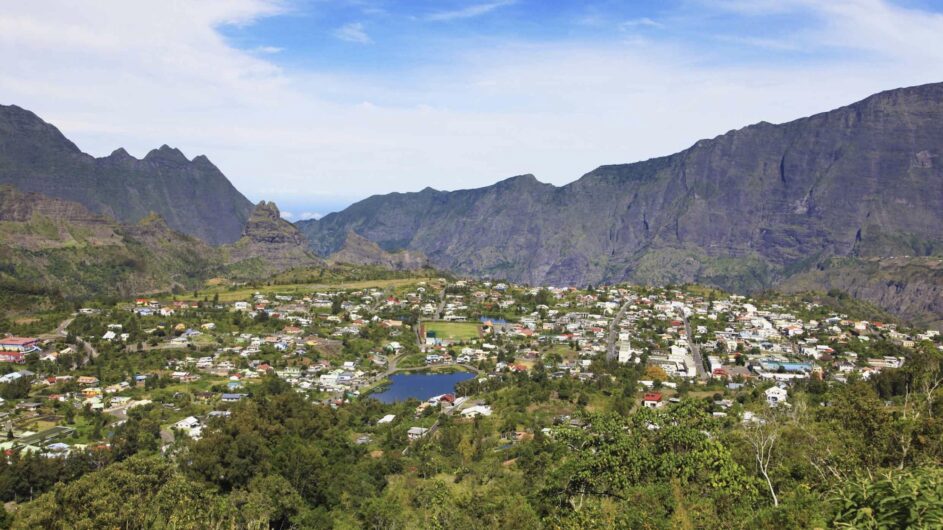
x=751 y=209
x=850 y=199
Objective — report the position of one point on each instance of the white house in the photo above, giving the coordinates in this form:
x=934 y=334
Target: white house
x=190 y=426
x=415 y=433
x=477 y=410
x=776 y=395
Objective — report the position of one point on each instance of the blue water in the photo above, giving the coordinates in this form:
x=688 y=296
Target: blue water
x=420 y=386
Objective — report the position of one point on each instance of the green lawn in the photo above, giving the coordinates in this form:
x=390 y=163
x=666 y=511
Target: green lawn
x=453 y=330
x=298 y=289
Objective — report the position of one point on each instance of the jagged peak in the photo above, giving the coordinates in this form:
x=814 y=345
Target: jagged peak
x=204 y=161
x=267 y=209
x=526 y=179
x=120 y=154
x=167 y=154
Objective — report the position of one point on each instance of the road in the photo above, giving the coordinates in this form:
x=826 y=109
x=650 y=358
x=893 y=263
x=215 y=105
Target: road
x=611 y=353
x=695 y=352
x=60 y=330
x=441 y=308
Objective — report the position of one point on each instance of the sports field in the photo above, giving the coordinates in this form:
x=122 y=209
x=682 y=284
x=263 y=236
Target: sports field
x=453 y=330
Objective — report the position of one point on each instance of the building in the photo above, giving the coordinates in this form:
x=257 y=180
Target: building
x=776 y=395
x=415 y=433
x=477 y=410
x=19 y=344
x=12 y=357
x=653 y=400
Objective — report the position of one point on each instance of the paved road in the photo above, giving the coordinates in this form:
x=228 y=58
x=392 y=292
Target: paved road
x=611 y=353
x=441 y=308
x=695 y=352
x=60 y=330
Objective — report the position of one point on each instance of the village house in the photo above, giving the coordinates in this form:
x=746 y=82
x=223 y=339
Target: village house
x=415 y=433
x=653 y=400
x=775 y=396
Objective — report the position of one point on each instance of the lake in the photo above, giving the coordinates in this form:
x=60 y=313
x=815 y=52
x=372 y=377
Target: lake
x=421 y=386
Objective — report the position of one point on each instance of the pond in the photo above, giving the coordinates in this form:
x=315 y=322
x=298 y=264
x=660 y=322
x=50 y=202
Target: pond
x=421 y=386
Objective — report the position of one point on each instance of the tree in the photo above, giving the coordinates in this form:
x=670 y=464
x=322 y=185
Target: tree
x=901 y=499
x=762 y=435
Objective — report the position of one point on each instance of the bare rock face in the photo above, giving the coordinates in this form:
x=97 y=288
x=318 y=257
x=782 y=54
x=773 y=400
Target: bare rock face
x=192 y=195
x=742 y=211
x=266 y=226
x=274 y=243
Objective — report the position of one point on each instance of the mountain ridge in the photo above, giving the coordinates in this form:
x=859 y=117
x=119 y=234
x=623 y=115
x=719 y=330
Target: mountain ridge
x=192 y=195
x=743 y=210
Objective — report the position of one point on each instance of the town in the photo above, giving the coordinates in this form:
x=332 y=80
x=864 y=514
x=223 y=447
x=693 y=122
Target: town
x=196 y=356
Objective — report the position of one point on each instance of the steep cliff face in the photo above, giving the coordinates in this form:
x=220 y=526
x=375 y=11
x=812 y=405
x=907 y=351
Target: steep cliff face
x=743 y=210
x=192 y=195
x=269 y=244
x=751 y=204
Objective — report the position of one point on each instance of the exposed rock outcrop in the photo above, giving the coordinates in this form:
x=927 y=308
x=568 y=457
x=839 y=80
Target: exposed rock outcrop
x=270 y=242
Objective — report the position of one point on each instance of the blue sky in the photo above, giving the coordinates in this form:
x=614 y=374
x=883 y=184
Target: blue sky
x=319 y=103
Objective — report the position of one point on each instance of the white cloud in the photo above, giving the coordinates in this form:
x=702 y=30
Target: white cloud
x=309 y=215
x=641 y=22
x=139 y=74
x=471 y=11
x=353 y=32
x=269 y=49
x=287 y=215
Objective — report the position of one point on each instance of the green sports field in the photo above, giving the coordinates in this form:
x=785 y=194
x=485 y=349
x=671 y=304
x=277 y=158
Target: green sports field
x=453 y=330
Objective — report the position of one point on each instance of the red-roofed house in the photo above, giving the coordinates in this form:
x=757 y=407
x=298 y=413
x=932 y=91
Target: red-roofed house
x=652 y=400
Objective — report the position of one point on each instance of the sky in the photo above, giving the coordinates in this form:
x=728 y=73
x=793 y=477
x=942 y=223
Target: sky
x=316 y=104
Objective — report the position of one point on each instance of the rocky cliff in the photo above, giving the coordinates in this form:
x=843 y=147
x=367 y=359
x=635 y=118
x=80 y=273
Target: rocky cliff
x=271 y=243
x=193 y=196
x=743 y=210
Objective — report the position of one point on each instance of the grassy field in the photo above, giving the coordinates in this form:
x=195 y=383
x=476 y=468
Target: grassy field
x=453 y=330
x=227 y=294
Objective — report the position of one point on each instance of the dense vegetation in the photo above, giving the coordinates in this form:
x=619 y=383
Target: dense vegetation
x=861 y=455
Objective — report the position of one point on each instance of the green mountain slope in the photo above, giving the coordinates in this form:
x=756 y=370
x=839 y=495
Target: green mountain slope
x=61 y=246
